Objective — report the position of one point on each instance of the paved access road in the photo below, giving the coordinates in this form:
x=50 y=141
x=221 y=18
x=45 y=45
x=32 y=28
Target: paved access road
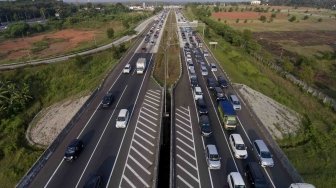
x=118 y=155
x=190 y=168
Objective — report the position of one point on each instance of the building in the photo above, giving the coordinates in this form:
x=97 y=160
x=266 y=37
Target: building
x=255 y=2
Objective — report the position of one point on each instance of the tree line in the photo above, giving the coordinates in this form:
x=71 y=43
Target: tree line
x=311 y=3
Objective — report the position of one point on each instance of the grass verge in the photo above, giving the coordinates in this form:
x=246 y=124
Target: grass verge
x=314 y=143
x=170 y=39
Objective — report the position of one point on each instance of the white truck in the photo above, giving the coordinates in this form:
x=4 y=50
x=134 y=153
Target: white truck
x=141 y=65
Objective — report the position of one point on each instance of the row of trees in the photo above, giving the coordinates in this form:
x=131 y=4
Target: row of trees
x=311 y=3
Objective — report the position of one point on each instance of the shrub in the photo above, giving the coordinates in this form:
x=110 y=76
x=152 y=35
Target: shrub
x=262 y=18
x=237 y=20
x=305 y=17
x=219 y=19
x=292 y=19
x=110 y=33
x=273 y=15
x=319 y=20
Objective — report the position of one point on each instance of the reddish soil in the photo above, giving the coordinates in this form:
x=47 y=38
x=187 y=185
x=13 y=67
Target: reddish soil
x=244 y=15
x=66 y=40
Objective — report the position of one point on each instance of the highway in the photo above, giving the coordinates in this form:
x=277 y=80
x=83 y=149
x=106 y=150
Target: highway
x=107 y=147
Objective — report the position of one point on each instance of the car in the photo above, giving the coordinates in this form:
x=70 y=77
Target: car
x=204 y=71
x=73 y=150
x=255 y=176
x=205 y=53
x=144 y=48
x=219 y=94
x=107 y=100
x=152 y=42
x=204 y=124
x=222 y=82
x=197 y=91
x=127 y=69
x=94 y=182
x=235 y=102
x=122 y=118
x=191 y=65
x=238 y=147
x=201 y=106
x=202 y=63
x=301 y=185
x=189 y=59
x=262 y=153
x=212 y=83
x=213 y=67
x=212 y=157
x=193 y=81
x=235 y=180
x=192 y=73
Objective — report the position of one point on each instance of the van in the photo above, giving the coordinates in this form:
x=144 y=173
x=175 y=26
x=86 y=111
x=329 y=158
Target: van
x=212 y=157
x=262 y=153
x=255 y=176
x=235 y=102
x=122 y=118
x=235 y=180
x=197 y=91
x=301 y=185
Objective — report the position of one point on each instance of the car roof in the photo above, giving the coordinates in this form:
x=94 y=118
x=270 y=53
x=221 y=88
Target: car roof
x=74 y=142
x=234 y=97
x=212 y=149
x=237 y=178
x=301 y=185
x=123 y=112
x=238 y=139
x=197 y=88
x=218 y=89
x=262 y=146
x=212 y=64
x=204 y=118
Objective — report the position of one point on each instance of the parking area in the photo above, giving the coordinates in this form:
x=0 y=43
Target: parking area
x=140 y=163
x=186 y=160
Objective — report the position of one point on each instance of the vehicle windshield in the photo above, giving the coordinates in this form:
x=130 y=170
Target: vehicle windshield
x=121 y=119
x=71 y=150
x=198 y=93
x=239 y=186
x=231 y=122
x=240 y=147
x=236 y=102
x=214 y=157
x=265 y=154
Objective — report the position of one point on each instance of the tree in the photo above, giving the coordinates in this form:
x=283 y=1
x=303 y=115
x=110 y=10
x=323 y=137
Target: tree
x=292 y=19
x=306 y=73
x=219 y=19
x=262 y=18
x=110 y=33
x=287 y=65
x=305 y=17
x=207 y=32
x=319 y=20
x=237 y=20
x=273 y=15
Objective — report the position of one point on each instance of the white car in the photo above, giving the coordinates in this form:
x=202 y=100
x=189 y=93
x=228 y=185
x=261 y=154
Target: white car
x=204 y=71
x=238 y=147
x=213 y=67
x=122 y=118
x=127 y=68
x=197 y=91
x=235 y=180
x=235 y=102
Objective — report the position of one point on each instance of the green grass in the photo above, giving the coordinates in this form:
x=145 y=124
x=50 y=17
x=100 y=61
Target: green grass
x=50 y=84
x=172 y=54
x=312 y=150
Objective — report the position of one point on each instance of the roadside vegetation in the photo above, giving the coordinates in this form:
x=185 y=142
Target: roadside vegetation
x=311 y=149
x=24 y=92
x=169 y=46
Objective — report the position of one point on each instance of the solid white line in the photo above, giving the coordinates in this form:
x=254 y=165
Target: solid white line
x=182 y=112
x=185 y=144
x=53 y=174
x=158 y=97
x=129 y=182
x=182 y=117
x=186 y=171
x=149 y=97
x=185 y=136
x=142 y=156
x=87 y=164
x=183 y=159
x=153 y=130
x=150 y=111
x=244 y=130
x=142 y=167
x=184 y=181
x=148 y=121
x=145 y=132
x=183 y=151
x=144 y=139
x=122 y=141
x=188 y=125
x=149 y=151
x=269 y=177
x=148 y=115
x=152 y=102
x=184 y=108
x=155 y=108
x=180 y=127
x=137 y=175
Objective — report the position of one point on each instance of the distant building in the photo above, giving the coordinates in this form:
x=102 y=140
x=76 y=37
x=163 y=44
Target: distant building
x=255 y=2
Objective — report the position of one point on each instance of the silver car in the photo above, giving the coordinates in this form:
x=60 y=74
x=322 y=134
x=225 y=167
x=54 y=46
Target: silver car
x=263 y=154
x=212 y=157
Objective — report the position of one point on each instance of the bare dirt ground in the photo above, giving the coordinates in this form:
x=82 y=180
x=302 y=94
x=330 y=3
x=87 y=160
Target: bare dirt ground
x=51 y=121
x=65 y=40
x=277 y=118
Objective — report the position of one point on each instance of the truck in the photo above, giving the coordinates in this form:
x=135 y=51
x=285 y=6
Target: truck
x=141 y=65
x=227 y=114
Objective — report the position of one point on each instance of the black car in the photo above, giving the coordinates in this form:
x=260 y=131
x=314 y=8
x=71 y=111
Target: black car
x=222 y=82
x=94 y=182
x=204 y=123
x=107 y=100
x=73 y=150
x=219 y=93
x=193 y=81
x=255 y=176
x=212 y=83
x=201 y=106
